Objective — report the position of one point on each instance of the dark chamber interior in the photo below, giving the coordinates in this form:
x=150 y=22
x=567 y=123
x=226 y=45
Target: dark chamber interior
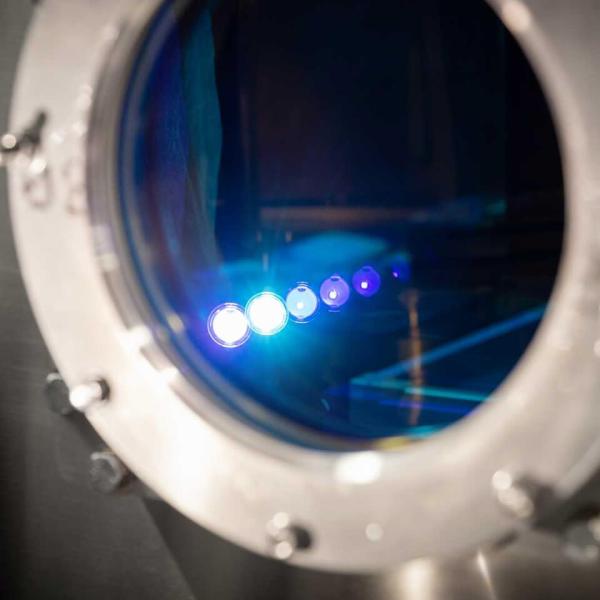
x=268 y=143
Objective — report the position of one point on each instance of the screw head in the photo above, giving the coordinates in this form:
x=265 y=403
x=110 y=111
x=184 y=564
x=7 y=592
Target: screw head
x=285 y=538
x=581 y=540
x=107 y=472
x=8 y=142
x=57 y=395
x=516 y=496
x=85 y=395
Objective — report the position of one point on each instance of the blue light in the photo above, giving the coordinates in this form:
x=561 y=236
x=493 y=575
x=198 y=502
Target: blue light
x=366 y=281
x=228 y=326
x=302 y=303
x=335 y=292
x=401 y=267
x=266 y=313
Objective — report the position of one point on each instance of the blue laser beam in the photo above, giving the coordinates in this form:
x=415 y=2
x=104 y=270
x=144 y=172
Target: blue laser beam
x=433 y=392
x=469 y=341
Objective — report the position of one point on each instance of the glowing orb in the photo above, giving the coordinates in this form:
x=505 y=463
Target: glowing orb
x=228 y=326
x=266 y=313
x=335 y=292
x=302 y=303
x=366 y=281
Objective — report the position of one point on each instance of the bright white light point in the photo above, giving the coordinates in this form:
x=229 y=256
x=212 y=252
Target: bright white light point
x=360 y=468
x=280 y=521
x=299 y=305
x=267 y=314
x=228 y=325
x=502 y=480
x=364 y=285
x=419 y=579
x=283 y=550
x=333 y=294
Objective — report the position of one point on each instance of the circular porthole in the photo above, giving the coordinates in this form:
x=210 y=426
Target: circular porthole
x=312 y=252
x=367 y=151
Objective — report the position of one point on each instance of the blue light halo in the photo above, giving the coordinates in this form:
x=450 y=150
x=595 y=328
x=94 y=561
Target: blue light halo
x=335 y=292
x=228 y=326
x=266 y=313
x=302 y=303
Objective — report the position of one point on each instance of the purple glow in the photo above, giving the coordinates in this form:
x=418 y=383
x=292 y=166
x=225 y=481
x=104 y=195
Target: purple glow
x=401 y=269
x=366 y=281
x=335 y=292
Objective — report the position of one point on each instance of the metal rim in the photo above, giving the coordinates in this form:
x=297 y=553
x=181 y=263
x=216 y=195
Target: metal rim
x=434 y=498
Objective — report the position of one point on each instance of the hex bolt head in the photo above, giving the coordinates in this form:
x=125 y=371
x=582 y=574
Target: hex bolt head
x=285 y=539
x=516 y=496
x=85 y=395
x=107 y=472
x=57 y=395
x=581 y=540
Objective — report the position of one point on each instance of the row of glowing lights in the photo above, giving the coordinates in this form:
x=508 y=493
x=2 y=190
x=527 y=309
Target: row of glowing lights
x=230 y=325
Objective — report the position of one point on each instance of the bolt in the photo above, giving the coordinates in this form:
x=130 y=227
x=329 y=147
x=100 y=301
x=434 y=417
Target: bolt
x=516 y=496
x=9 y=142
x=581 y=540
x=285 y=538
x=29 y=138
x=89 y=393
x=57 y=395
x=107 y=472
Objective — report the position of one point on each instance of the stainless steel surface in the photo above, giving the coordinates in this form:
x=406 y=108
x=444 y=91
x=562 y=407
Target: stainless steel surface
x=52 y=546
x=215 y=469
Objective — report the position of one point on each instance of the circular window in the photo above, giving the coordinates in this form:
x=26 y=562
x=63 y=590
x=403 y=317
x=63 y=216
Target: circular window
x=351 y=212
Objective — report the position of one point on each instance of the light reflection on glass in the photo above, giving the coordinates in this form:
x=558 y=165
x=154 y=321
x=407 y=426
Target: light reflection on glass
x=366 y=281
x=335 y=292
x=227 y=325
x=266 y=313
x=302 y=303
